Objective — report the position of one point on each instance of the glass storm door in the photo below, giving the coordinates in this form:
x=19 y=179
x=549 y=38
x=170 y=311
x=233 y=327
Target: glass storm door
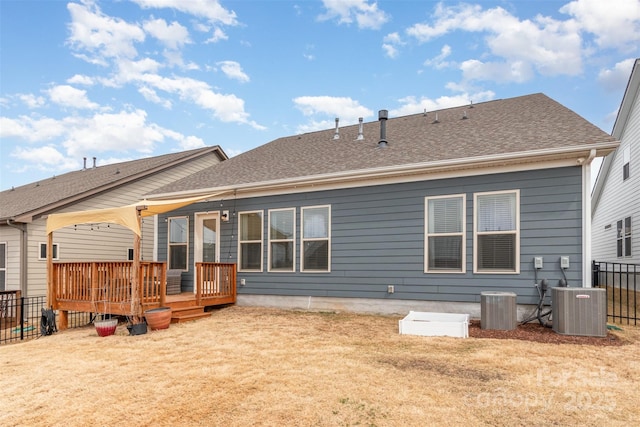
x=207 y=242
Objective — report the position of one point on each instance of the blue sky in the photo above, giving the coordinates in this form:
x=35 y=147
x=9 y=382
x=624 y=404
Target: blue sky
x=121 y=80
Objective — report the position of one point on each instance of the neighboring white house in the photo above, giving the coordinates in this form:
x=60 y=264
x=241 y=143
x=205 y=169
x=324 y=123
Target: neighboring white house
x=616 y=196
x=23 y=212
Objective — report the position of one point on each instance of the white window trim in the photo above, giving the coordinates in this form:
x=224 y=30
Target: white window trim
x=270 y=240
x=463 y=234
x=55 y=245
x=261 y=241
x=169 y=244
x=516 y=232
x=303 y=240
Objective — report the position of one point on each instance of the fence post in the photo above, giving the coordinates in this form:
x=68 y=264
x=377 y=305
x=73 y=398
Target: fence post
x=20 y=311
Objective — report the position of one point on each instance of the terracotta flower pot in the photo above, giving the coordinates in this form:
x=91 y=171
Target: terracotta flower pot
x=158 y=318
x=106 y=327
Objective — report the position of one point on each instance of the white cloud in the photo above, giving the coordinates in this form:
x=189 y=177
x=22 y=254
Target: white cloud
x=549 y=46
x=616 y=78
x=217 y=35
x=173 y=35
x=413 y=105
x=210 y=10
x=100 y=35
x=68 y=96
x=44 y=158
x=346 y=109
x=365 y=14
x=439 y=62
x=233 y=70
x=32 y=101
x=228 y=108
x=31 y=129
x=151 y=96
x=390 y=45
x=79 y=79
x=614 y=25
x=514 y=71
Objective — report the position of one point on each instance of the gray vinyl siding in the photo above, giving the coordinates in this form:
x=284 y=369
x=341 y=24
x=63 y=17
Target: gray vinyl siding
x=378 y=239
x=620 y=199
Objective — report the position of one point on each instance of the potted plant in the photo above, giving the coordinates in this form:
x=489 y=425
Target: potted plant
x=158 y=318
x=105 y=327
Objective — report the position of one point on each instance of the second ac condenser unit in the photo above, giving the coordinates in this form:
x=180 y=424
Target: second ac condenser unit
x=579 y=311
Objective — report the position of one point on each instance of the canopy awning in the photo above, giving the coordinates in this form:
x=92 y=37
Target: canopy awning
x=126 y=216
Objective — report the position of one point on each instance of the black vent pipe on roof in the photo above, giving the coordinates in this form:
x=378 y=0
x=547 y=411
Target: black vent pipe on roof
x=383 y=115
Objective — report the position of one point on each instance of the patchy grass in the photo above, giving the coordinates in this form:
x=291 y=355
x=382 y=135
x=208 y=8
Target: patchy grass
x=256 y=366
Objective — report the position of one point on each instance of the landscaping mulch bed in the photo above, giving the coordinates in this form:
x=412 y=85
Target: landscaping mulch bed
x=538 y=333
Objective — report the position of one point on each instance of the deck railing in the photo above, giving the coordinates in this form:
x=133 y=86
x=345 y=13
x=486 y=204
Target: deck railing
x=215 y=282
x=105 y=286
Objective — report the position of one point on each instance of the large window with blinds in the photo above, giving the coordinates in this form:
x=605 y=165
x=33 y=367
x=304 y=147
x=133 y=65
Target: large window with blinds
x=496 y=239
x=445 y=250
x=282 y=243
x=250 y=241
x=316 y=239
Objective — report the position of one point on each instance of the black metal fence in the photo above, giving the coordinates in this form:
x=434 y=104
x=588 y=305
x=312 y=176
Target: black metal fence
x=20 y=317
x=622 y=282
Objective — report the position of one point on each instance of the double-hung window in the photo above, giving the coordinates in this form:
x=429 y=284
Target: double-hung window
x=445 y=234
x=316 y=239
x=178 y=243
x=623 y=234
x=282 y=243
x=250 y=241
x=496 y=240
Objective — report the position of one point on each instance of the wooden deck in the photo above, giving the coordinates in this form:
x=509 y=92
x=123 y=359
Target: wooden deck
x=106 y=288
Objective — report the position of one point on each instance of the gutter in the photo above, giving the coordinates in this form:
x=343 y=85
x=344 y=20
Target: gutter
x=24 y=260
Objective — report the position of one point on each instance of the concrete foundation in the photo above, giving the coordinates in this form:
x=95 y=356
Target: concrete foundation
x=367 y=305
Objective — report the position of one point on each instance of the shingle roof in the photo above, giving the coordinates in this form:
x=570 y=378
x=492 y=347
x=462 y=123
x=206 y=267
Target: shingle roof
x=515 y=125
x=57 y=190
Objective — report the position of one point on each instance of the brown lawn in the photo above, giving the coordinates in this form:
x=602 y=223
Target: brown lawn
x=254 y=366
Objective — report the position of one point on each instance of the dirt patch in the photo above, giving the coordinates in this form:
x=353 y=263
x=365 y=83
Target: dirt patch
x=538 y=333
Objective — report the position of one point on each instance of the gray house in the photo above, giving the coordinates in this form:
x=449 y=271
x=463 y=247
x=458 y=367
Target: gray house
x=421 y=212
x=616 y=195
x=24 y=209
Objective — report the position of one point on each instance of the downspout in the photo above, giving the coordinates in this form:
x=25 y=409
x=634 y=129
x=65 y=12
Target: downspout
x=586 y=218
x=23 y=255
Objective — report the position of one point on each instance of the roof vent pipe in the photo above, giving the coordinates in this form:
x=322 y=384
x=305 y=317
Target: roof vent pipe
x=383 y=115
x=84 y=167
x=94 y=162
x=337 y=134
x=360 y=130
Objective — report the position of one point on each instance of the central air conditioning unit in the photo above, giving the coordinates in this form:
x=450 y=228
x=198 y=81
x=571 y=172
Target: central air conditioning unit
x=498 y=310
x=579 y=311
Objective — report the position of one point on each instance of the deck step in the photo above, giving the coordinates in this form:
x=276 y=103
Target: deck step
x=189 y=317
x=186 y=314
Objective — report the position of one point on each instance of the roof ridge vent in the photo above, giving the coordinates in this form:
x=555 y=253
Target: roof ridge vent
x=337 y=134
x=360 y=130
x=383 y=115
